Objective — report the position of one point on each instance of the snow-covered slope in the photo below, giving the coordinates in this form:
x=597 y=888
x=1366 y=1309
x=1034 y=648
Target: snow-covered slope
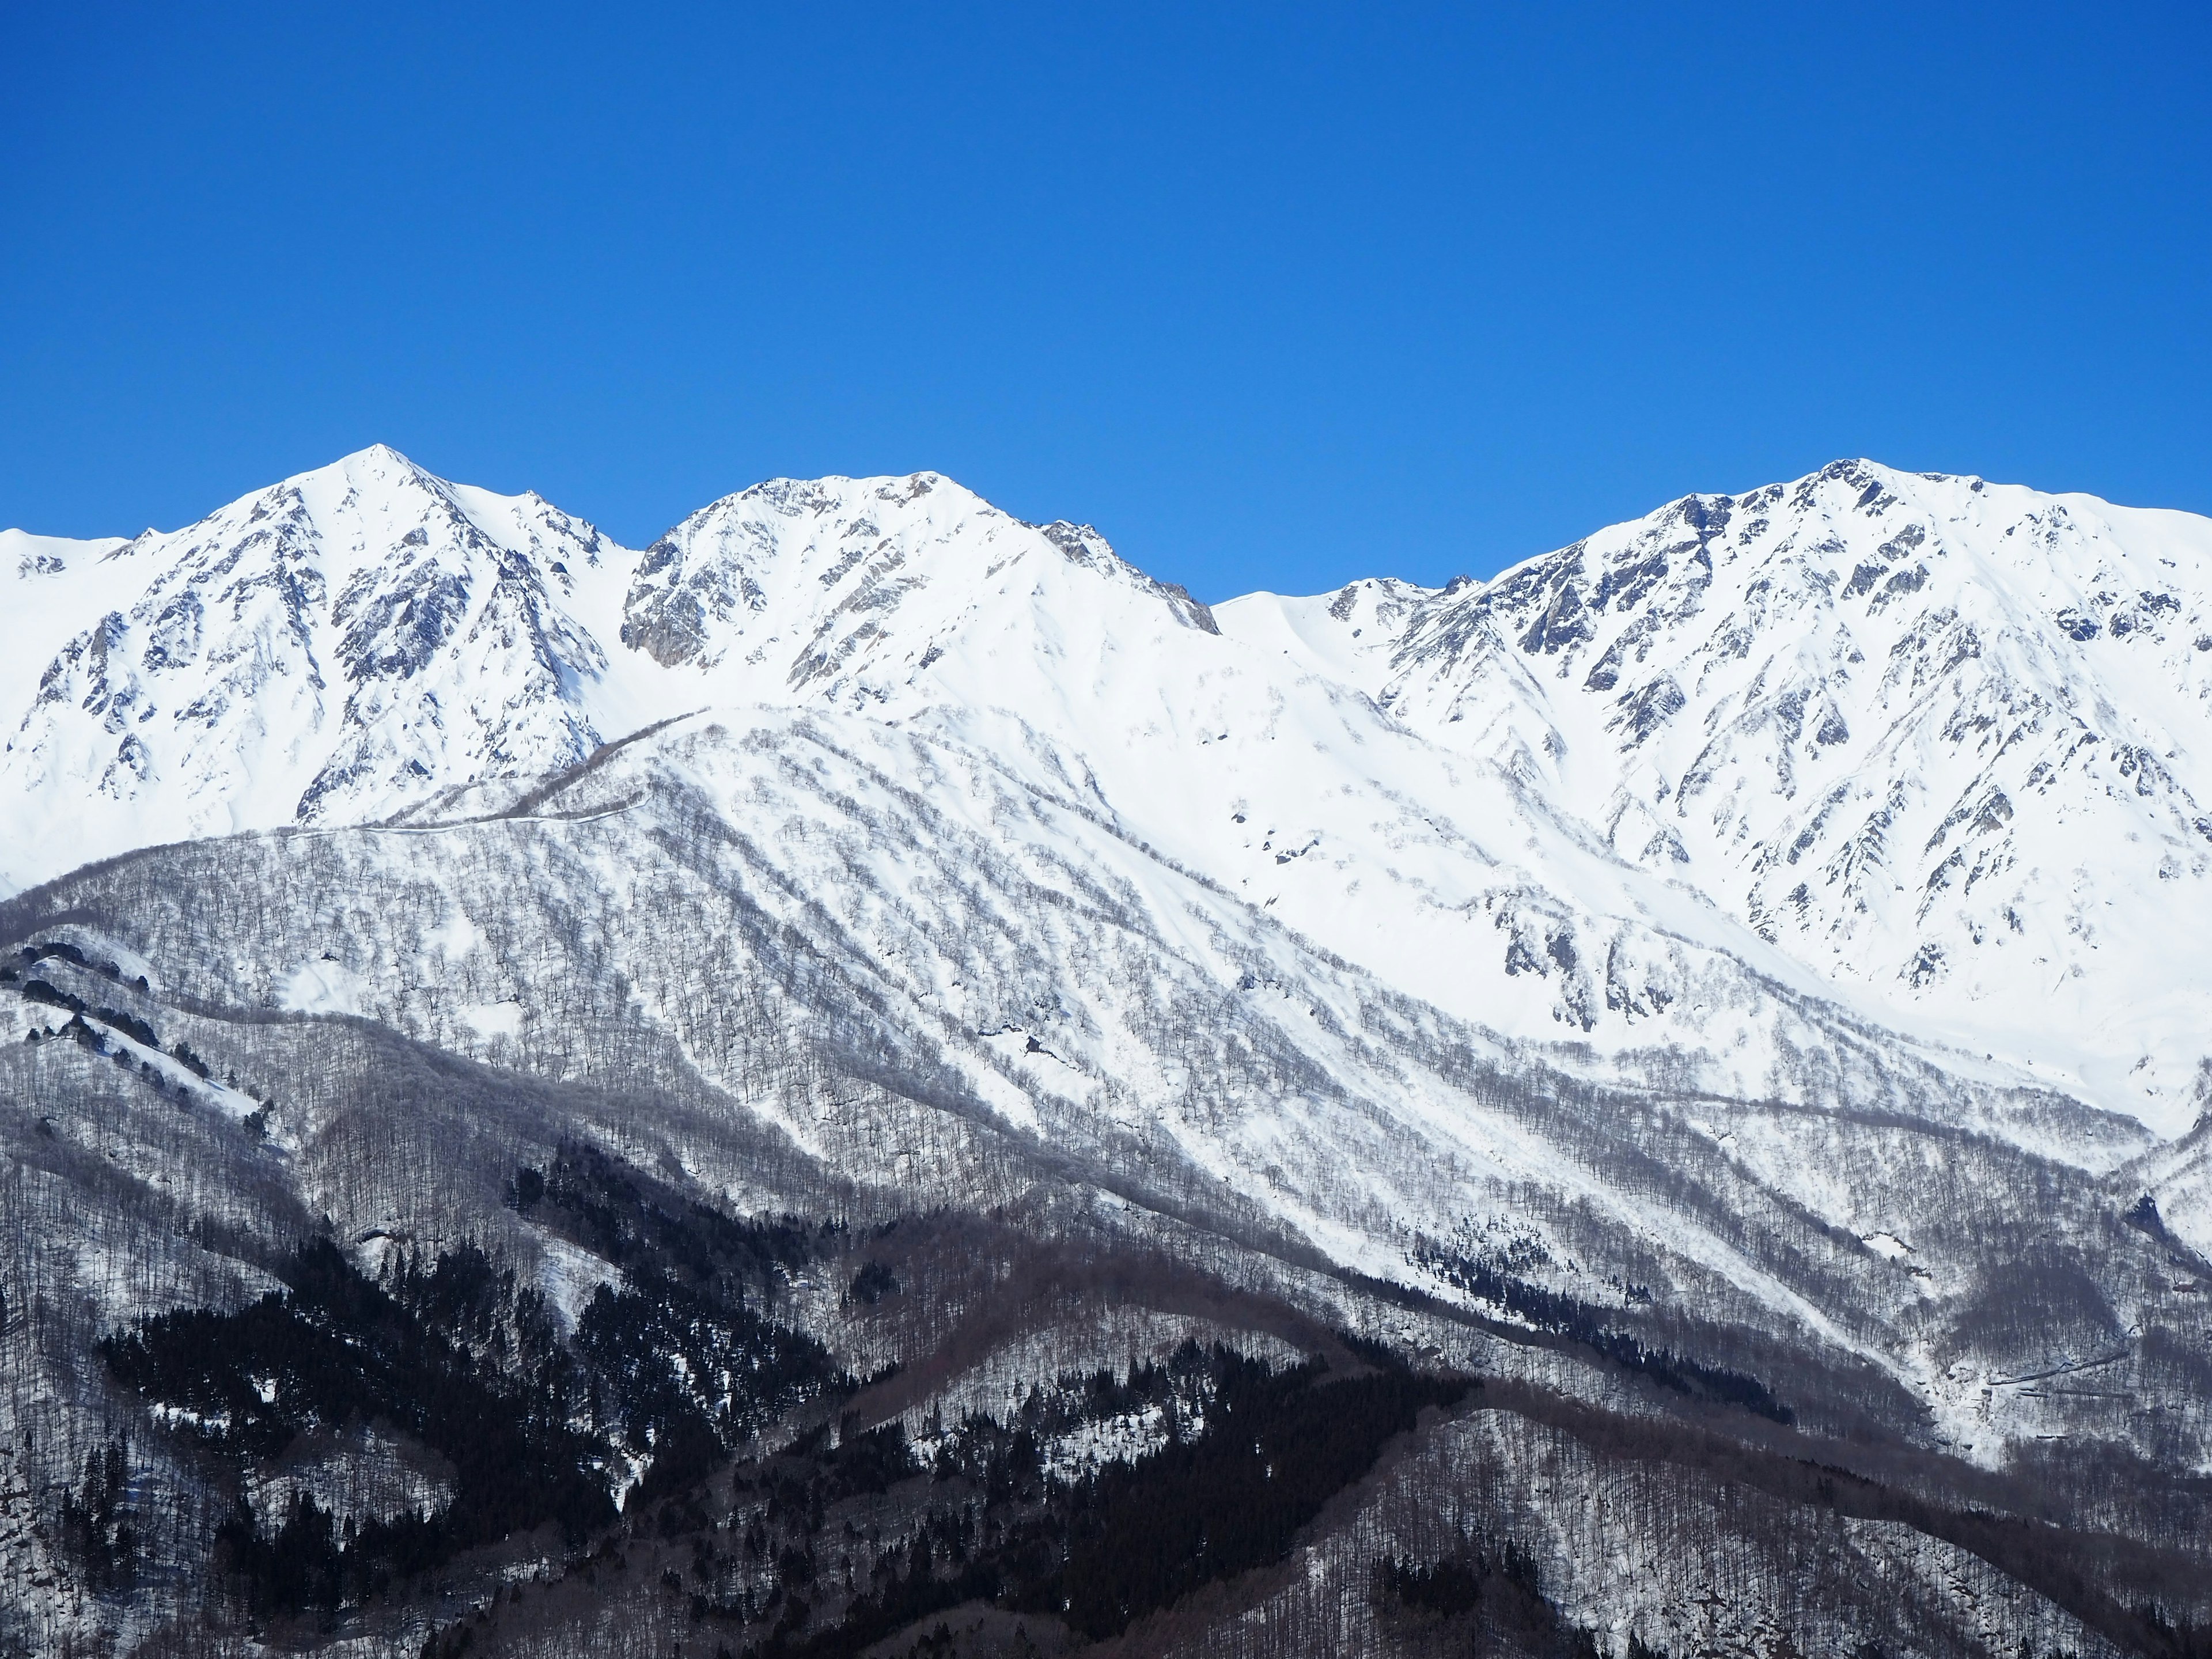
x=846 y=588
x=1946 y=743
x=1869 y=765
x=1632 y=952
x=358 y=640
x=322 y=650
x=1702 y=972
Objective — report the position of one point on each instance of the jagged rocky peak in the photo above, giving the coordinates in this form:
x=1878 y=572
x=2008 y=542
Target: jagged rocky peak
x=336 y=644
x=360 y=639
x=703 y=585
x=825 y=564
x=1855 y=587
x=1853 y=541
x=1930 y=734
x=1085 y=548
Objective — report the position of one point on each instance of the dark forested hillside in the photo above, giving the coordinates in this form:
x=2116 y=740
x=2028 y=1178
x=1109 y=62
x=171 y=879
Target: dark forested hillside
x=674 y=1459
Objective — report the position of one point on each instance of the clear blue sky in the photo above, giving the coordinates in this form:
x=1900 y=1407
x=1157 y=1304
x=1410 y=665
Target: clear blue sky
x=1274 y=294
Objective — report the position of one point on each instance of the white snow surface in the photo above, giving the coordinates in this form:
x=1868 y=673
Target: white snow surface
x=1872 y=756
x=1945 y=743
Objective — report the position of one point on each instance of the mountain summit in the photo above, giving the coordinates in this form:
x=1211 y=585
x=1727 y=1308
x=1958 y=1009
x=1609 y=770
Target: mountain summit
x=1925 y=749
x=1947 y=744
x=324 y=650
x=354 y=641
x=728 y=1082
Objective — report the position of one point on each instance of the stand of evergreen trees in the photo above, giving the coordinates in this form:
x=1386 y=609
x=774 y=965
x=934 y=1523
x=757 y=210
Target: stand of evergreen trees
x=1563 y=1315
x=97 y=1524
x=677 y=1368
x=1131 y=1536
x=1491 y=1598
x=451 y=1354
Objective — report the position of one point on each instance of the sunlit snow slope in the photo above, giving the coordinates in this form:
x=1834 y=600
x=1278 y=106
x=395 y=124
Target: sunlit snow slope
x=1946 y=743
x=1751 y=780
x=322 y=650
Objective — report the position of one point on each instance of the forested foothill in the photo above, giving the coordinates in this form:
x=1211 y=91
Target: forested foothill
x=658 y=1387
x=685 y=1458
x=318 y=1333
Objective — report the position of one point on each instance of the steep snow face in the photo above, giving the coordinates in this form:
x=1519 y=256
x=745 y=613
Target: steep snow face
x=327 y=649
x=46 y=594
x=898 y=948
x=911 y=602
x=1944 y=742
x=1752 y=777
x=849 y=591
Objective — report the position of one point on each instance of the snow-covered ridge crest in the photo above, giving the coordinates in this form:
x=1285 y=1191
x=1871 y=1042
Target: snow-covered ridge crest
x=1930 y=749
x=1947 y=743
x=360 y=639
x=322 y=650
x=809 y=577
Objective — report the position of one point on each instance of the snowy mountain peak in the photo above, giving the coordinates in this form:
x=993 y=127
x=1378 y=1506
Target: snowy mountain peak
x=1915 y=743
x=354 y=641
x=817 y=585
x=329 y=646
x=1934 y=736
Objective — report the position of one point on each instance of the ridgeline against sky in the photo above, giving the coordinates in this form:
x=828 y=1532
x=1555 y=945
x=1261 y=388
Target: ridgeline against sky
x=1274 y=296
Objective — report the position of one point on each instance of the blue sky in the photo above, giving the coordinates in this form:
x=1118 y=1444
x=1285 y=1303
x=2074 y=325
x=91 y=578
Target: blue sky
x=1276 y=295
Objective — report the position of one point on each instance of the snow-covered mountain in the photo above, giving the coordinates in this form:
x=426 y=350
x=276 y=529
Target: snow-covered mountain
x=1739 y=965
x=322 y=650
x=1924 y=749
x=357 y=640
x=1944 y=742
x=1239 y=897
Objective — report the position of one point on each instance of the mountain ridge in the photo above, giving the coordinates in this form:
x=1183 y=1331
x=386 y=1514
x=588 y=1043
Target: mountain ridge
x=1661 y=697
x=646 y=996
